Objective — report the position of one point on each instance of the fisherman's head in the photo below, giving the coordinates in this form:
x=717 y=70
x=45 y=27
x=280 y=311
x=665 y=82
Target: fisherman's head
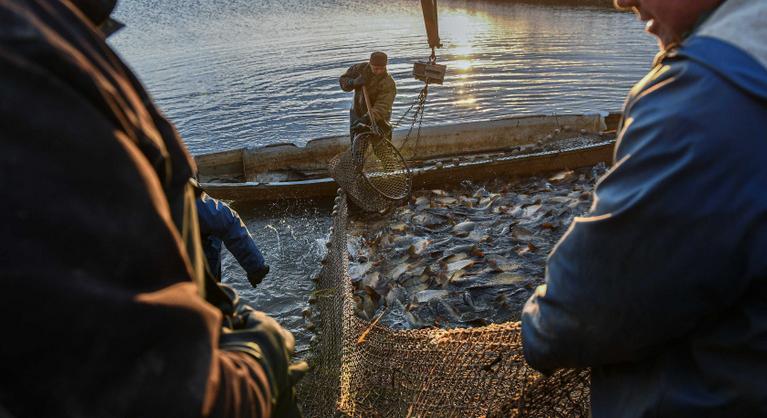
x=378 y=61
x=669 y=20
x=98 y=12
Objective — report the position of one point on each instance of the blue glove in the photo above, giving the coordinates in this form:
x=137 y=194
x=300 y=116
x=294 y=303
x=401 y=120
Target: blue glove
x=255 y=277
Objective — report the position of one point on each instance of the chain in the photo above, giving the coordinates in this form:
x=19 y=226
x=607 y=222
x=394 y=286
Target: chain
x=420 y=106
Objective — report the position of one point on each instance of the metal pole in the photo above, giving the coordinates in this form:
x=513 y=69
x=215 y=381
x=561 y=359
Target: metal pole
x=429 y=8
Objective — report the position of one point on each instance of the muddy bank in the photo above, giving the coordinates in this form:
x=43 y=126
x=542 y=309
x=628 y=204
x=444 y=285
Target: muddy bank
x=464 y=257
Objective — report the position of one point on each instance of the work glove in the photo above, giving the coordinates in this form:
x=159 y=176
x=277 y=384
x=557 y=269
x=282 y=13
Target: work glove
x=360 y=81
x=272 y=346
x=255 y=277
x=240 y=311
x=363 y=124
x=359 y=128
x=384 y=128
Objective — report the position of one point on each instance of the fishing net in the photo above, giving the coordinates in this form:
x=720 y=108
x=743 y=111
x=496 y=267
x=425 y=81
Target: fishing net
x=372 y=172
x=361 y=369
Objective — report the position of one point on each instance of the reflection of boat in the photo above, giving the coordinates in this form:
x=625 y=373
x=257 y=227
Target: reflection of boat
x=443 y=155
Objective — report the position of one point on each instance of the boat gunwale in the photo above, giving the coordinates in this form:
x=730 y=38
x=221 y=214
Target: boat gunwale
x=427 y=177
x=288 y=161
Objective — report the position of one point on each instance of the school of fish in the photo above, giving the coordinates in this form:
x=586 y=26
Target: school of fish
x=464 y=257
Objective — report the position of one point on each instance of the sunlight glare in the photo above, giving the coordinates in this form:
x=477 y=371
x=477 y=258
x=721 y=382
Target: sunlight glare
x=462 y=65
x=466 y=102
x=462 y=30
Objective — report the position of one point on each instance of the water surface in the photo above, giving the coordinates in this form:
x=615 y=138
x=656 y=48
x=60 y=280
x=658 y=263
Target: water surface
x=292 y=236
x=232 y=73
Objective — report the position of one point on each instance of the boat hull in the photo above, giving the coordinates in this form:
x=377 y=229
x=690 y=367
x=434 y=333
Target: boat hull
x=445 y=155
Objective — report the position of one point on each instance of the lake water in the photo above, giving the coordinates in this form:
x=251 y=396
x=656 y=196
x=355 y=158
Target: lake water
x=231 y=73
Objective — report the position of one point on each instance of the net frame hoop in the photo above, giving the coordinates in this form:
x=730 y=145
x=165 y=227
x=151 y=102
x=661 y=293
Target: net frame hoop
x=397 y=154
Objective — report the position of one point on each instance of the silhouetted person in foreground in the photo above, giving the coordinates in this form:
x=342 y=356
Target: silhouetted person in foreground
x=106 y=310
x=662 y=288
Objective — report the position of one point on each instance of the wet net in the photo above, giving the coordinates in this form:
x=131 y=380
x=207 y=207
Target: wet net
x=372 y=172
x=361 y=369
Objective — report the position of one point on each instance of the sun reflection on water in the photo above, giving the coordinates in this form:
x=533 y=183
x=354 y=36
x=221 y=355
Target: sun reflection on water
x=462 y=65
x=466 y=102
x=212 y=68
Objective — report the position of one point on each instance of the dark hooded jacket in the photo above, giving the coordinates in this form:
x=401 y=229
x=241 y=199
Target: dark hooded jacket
x=662 y=288
x=100 y=272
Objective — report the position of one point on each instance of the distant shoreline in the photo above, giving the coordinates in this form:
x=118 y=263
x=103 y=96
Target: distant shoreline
x=592 y=3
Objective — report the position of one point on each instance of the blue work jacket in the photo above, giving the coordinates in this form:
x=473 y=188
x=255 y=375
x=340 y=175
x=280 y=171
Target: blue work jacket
x=662 y=287
x=220 y=224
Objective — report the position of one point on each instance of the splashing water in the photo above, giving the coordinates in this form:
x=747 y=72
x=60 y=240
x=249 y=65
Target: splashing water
x=284 y=292
x=279 y=242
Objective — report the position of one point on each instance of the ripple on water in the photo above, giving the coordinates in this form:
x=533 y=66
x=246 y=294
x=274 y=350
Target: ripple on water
x=236 y=73
x=231 y=73
x=290 y=235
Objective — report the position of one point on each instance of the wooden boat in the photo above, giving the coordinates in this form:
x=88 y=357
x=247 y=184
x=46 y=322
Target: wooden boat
x=443 y=155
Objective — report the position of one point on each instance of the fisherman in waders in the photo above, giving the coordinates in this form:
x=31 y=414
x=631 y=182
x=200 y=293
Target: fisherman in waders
x=106 y=307
x=381 y=89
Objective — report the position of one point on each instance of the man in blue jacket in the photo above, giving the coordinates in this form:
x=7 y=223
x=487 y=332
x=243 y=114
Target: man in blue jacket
x=662 y=288
x=221 y=224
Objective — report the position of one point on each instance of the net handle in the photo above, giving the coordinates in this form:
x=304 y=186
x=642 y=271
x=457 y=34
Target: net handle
x=377 y=136
x=371 y=114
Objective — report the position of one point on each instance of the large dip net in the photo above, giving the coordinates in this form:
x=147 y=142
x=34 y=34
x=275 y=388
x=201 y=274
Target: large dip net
x=372 y=172
x=362 y=369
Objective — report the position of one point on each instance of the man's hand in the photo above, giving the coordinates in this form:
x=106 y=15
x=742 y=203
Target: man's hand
x=256 y=277
x=361 y=125
x=272 y=346
x=359 y=81
x=371 y=115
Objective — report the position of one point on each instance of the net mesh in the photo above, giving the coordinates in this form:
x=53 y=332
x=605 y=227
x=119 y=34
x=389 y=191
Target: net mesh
x=362 y=369
x=372 y=172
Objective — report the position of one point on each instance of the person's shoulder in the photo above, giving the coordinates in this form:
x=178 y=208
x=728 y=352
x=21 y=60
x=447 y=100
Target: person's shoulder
x=686 y=107
x=685 y=89
x=25 y=24
x=210 y=205
x=389 y=82
x=670 y=73
x=18 y=22
x=704 y=66
x=740 y=66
